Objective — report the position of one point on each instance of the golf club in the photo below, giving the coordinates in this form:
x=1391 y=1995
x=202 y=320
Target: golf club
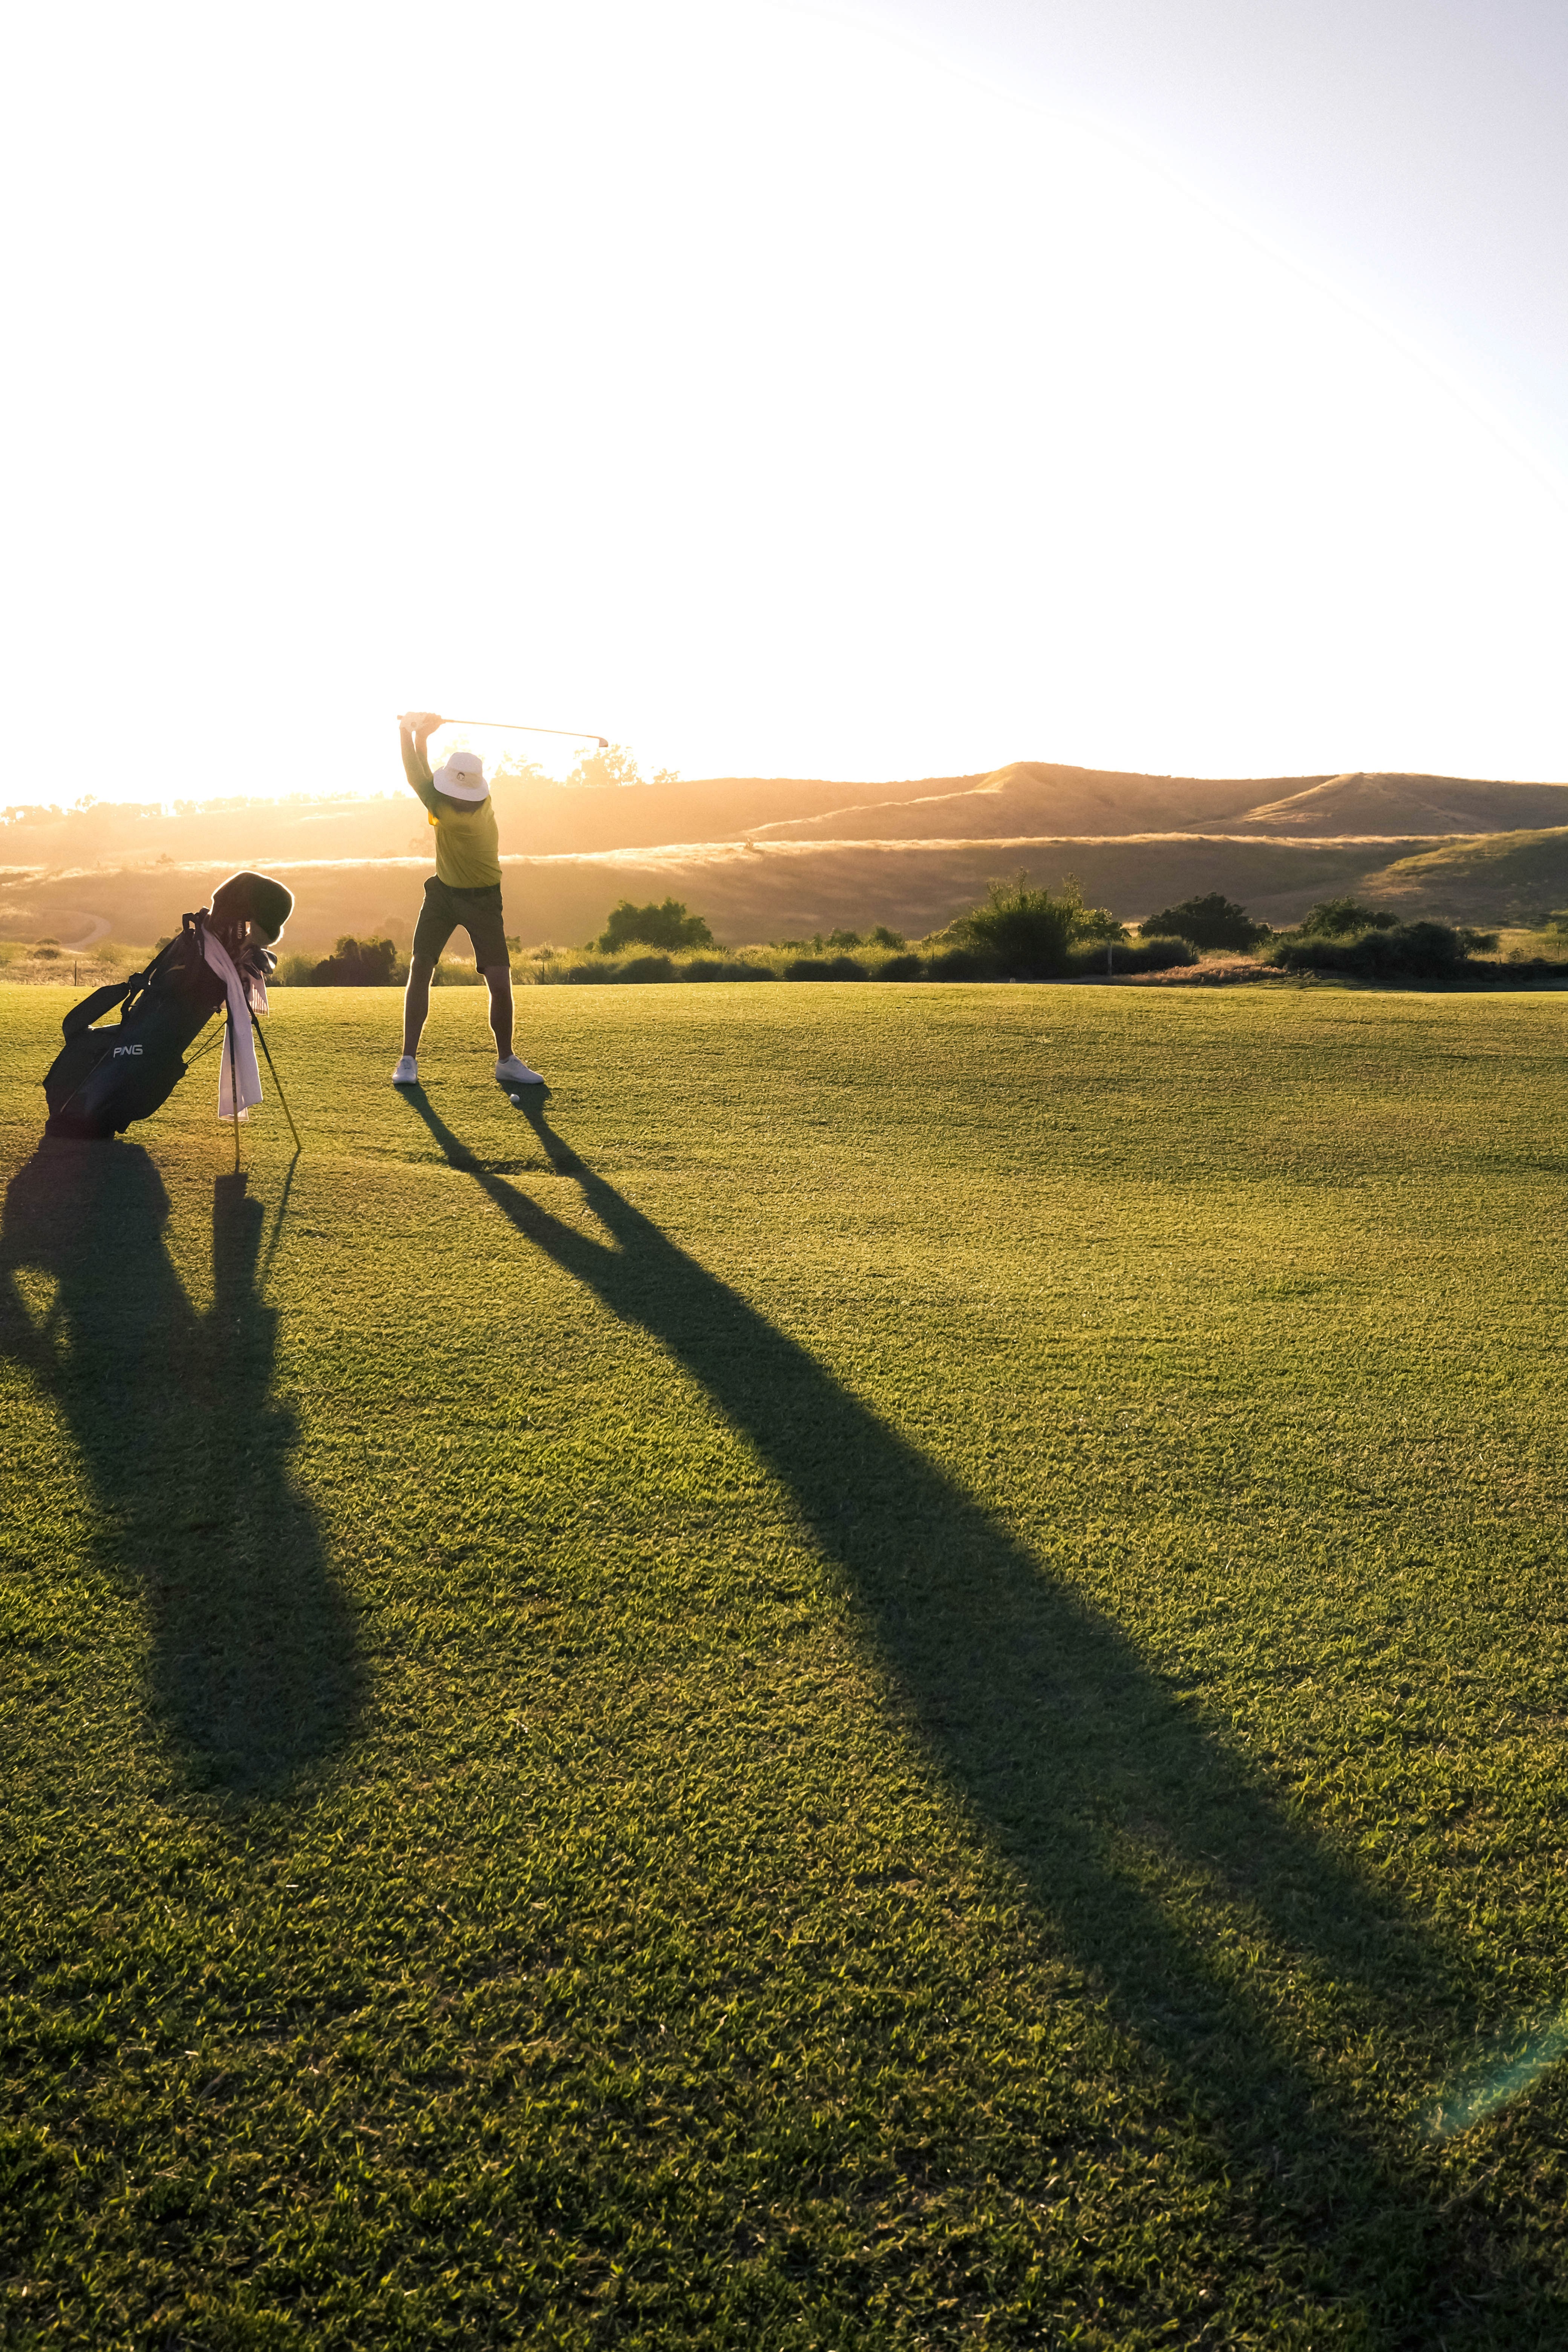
x=583 y=734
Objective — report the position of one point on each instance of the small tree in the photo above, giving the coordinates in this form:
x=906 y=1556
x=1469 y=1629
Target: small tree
x=358 y=963
x=666 y=927
x=1214 y=921
x=597 y=769
x=1341 y=918
x=1097 y=924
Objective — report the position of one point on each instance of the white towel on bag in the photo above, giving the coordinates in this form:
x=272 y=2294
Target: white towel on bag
x=241 y=1064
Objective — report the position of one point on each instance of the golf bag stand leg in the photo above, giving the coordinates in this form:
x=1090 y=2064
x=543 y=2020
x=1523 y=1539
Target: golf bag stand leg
x=261 y=1040
x=234 y=1091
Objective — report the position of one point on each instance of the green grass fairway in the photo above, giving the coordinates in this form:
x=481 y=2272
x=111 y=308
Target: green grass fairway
x=896 y=1675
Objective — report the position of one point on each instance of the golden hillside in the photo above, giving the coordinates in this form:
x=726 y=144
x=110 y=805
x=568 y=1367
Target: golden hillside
x=766 y=858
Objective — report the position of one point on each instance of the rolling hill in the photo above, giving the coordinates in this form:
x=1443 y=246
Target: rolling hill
x=748 y=890
x=1503 y=877
x=768 y=858
x=1035 y=799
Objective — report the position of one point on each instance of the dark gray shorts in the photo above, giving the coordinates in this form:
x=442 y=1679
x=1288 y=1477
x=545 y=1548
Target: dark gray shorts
x=478 y=912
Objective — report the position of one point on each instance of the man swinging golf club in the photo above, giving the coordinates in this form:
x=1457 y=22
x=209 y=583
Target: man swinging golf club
x=464 y=889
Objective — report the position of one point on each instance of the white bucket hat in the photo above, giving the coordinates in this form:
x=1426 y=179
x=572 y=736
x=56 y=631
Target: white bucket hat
x=462 y=778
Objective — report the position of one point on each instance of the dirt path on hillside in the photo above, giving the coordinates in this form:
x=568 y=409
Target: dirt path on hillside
x=100 y=930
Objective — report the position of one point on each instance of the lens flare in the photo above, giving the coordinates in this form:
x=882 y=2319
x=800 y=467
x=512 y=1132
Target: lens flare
x=1476 y=2097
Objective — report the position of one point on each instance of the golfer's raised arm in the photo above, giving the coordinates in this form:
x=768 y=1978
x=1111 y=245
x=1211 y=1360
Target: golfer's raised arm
x=414 y=730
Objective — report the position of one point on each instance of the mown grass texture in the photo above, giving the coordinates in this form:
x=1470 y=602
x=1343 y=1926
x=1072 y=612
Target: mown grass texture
x=891 y=1676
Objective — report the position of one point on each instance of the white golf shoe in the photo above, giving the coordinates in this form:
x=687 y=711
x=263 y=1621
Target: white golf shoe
x=513 y=1073
x=407 y=1073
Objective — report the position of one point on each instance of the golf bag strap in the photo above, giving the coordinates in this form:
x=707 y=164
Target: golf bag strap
x=126 y=992
x=93 y=1008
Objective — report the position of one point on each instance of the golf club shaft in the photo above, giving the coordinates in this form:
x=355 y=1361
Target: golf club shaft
x=583 y=734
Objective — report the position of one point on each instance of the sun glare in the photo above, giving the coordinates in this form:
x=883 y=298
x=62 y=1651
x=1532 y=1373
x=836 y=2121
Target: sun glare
x=1485 y=2092
x=725 y=379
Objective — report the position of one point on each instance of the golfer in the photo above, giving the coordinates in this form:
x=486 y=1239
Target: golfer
x=464 y=889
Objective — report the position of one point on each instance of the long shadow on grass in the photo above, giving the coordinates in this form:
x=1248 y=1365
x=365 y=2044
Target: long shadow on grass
x=254 y=1669
x=1134 y=1825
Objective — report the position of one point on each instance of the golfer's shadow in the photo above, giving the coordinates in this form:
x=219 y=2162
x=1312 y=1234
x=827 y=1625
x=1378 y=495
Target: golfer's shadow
x=1102 y=1790
x=253 y=1667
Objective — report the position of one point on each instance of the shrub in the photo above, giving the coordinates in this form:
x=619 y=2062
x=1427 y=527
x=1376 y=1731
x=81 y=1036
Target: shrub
x=1340 y=918
x=1519 y=964
x=1408 y=952
x=962 y=963
x=643 y=968
x=900 y=967
x=708 y=968
x=666 y=927
x=1141 y=955
x=119 y=955
x=358 y=963
x=1214 y=921
x=1024 y=934
x=840 y=967
x=647 y=970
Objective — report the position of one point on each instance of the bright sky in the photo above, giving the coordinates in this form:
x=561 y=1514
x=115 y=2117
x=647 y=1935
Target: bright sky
x=778 y=390
x=1412 y=152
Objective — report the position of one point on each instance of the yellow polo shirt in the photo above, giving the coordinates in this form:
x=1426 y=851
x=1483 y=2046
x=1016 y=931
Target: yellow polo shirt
x=467 y=846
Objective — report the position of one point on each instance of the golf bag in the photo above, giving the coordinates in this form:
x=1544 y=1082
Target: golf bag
x=101 y=1079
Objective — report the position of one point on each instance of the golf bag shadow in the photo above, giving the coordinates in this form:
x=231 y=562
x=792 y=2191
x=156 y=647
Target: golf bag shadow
x=101 y=1079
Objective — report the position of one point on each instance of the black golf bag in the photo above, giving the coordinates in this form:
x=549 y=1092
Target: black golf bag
x=101 y=1079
